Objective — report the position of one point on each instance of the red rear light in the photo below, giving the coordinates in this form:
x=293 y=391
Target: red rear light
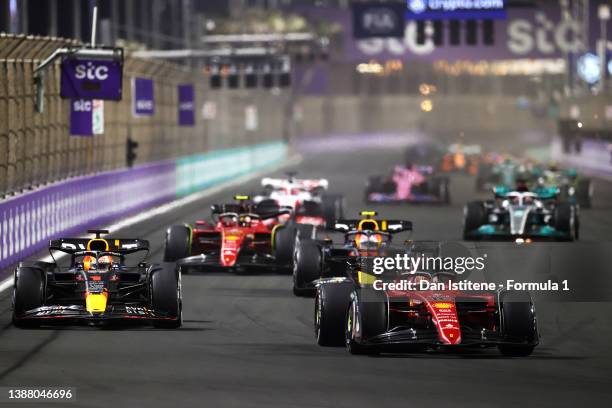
x=96 y=277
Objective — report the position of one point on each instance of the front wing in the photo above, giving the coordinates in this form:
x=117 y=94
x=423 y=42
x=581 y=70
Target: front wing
x=51 y=314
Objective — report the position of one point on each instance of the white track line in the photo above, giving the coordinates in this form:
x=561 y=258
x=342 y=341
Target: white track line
x=171 y=206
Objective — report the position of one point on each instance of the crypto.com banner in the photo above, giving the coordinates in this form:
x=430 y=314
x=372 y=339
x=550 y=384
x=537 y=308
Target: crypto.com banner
x=91 y=79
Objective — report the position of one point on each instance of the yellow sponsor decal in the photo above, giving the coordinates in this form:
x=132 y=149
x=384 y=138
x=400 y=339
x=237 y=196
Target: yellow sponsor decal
x=232 y=237
x=365 y=278
x=241 y=197
x=442 y=305
x=95 y=302
x=369 y=213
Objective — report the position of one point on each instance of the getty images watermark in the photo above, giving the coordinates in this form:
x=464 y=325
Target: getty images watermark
x=415 y=271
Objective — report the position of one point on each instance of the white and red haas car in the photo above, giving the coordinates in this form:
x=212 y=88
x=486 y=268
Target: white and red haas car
x=312 y=209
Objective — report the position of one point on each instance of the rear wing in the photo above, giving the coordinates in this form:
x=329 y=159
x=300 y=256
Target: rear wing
x=389 y=226
x=307 y=184
x=118 y=245
x=265 y=209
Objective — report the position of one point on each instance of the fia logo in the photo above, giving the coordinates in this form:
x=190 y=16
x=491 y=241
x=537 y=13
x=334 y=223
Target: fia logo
x=417 y=6
x=379 y=20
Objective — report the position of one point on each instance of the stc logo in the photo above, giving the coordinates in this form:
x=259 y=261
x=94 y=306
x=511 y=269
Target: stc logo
x=417 y=6
x=82 y=106
x=540 y=35
x=91 y=72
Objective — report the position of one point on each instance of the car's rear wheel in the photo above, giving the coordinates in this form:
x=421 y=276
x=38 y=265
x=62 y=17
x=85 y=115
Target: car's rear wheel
x=333 y=208
x=440 y=189
x=584 y=193
x=518 y=324
x=565 y=220
x=166 y=296
x=28 y=294
x=474 y=216
x=177 y=246
x=284 y=244
x=306 y=267
x=331 y=303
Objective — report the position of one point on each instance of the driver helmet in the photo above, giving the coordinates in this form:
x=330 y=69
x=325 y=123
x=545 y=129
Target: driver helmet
x=89 y=262
x=245 y=221
x=105 y=262
x=229 y=221
x=368 y=241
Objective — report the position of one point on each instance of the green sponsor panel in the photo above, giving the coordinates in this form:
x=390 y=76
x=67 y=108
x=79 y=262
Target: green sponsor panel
x=197 y=172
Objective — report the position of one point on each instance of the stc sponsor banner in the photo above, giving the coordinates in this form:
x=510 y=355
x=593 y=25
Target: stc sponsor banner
x=186 y=105
x=29 y=221
x=143 y=97
x=86 y=117
x=378 y=20
x=455 y=9
x=91 y=79
x=526 y=33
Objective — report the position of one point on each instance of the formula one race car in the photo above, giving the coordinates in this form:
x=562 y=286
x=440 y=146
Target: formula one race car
x=316 y=259
x=521 y=216
x=237 y=238
x=573 y=188
x=461 y=158
x=97 y=286
x=366 y=316
x=417 y=184
x=308 y=193
x=313 y=186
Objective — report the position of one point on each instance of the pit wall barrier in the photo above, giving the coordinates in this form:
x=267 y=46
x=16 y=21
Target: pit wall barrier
x=29 y=221
x=594 y=157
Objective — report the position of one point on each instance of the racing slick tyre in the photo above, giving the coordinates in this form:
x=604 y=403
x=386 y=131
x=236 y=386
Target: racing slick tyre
x=474 y=215
x=177 y=244
x=306 y=267
x=331 y=303
x=564 y=219
x=166 y=296
x=439 y=188
x=333 y=208
x=284 y=244
x=584 y=193
x=28 y=294
x=366 y=317
x=518 y=323
x=483 y=175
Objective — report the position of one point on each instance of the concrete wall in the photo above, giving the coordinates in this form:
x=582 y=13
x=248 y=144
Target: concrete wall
x=495 y=121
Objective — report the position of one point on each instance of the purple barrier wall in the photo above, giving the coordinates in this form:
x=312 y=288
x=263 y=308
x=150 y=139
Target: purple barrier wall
x=594 y=157
x=28 y=221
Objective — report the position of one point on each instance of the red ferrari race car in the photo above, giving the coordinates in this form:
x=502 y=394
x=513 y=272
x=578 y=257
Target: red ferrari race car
x=238 y=238
x=371 y=313
x=408 y=184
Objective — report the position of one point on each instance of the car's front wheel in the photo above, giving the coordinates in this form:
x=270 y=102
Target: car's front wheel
x=28 y=294
x=166 y=296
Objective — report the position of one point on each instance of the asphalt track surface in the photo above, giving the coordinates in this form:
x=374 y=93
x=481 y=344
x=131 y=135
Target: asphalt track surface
x=248 y=342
